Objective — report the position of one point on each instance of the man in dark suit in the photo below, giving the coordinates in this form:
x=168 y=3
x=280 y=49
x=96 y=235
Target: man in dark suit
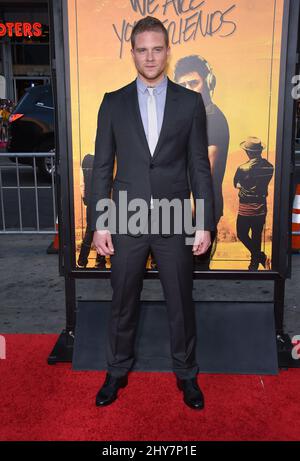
x=157 y=131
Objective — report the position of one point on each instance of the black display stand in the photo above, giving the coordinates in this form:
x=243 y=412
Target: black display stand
x=231 y=337
x=281 y=253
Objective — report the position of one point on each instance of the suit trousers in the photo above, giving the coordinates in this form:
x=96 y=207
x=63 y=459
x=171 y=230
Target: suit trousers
x=175 y=265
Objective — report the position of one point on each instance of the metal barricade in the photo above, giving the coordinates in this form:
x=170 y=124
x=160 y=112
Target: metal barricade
x=35 y=208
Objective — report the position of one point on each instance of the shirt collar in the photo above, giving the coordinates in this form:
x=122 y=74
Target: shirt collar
x=141 y=86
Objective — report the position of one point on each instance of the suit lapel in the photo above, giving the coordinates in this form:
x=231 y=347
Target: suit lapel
x=135 y=115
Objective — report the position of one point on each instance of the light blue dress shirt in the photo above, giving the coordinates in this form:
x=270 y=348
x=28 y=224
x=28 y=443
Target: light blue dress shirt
x=160 y=92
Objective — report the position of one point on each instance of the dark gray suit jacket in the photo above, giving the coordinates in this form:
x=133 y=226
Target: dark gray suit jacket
x=180 y=161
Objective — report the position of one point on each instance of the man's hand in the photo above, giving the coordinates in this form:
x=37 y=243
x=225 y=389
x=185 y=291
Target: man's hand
x=202 y=242
x=103 y=242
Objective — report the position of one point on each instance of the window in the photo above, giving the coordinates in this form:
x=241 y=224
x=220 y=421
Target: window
x=30 y=54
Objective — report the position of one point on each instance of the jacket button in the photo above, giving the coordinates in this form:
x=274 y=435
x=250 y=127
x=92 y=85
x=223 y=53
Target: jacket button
x=151 y=166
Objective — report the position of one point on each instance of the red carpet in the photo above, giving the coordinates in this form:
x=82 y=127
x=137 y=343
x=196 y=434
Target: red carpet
x=42 y=402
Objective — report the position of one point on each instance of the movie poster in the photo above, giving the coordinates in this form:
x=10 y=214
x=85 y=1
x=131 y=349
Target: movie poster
x=227 y=50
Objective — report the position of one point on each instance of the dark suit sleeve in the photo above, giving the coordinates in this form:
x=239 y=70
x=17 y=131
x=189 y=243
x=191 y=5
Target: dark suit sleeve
x=102 y=173
x=199 y=166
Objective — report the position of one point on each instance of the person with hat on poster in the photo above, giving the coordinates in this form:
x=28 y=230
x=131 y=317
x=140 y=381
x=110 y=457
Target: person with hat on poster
x=252 y=179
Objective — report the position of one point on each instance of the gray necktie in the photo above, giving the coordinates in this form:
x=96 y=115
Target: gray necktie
x=152 y=121
x=152 y=125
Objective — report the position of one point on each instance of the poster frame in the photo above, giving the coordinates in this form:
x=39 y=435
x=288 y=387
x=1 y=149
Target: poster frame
x=285 y=167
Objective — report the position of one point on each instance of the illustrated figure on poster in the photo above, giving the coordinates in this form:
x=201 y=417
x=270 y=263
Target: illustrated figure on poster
x=195 y=73
x=155 y=128
x=252 y=179
x=85 y=186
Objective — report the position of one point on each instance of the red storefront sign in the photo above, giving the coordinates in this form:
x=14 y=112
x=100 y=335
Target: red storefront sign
x=20 y=29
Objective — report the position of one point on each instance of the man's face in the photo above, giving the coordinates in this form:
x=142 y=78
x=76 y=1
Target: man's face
x=150 y=54
x=192 y=81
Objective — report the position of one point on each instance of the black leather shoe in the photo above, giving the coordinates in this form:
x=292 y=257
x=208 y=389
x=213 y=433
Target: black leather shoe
x=264 y=260
x=100 y=262
x=192 y=394
x=109 y=390
x=82 y=262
